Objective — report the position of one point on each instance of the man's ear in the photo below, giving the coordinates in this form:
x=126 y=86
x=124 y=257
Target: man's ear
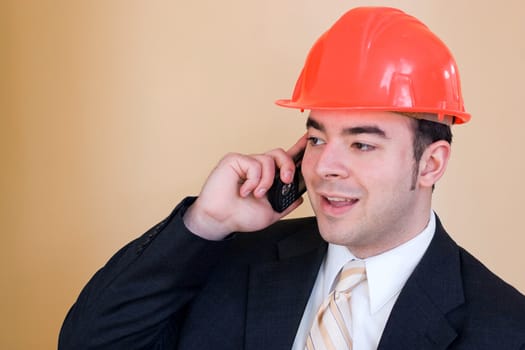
x=433 y=163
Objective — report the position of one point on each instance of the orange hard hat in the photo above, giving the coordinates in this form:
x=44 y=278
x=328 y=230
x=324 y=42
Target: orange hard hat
x=380 y=58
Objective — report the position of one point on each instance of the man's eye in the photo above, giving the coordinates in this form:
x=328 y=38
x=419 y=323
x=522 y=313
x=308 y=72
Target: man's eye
x=363 y=146
x=314 y=141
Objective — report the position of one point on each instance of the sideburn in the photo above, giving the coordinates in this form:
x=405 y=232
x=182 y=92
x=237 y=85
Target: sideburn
x=415 y=174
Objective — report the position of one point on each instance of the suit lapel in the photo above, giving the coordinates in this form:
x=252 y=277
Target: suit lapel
x=278 y=292
x=418 y=319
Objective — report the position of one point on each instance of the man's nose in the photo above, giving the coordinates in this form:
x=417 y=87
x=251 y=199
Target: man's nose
x=332 y=162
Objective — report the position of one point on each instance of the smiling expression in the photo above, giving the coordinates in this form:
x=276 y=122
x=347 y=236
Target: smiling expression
x=359 y=170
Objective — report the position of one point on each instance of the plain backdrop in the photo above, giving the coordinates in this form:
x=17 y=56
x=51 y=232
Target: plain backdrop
x=113 y=111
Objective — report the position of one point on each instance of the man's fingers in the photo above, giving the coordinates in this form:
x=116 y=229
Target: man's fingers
x=250 y=173
x=285 y=159
x=246 y=170
x=284 y=163
x=298 y=147
x=256 y=173
x=267 y=174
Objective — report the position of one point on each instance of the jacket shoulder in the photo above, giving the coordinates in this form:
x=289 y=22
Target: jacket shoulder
x=498 y=306
x=266 y=244
x=482 y=284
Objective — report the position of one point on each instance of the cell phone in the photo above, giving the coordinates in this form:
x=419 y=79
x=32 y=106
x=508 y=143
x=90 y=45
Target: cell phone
x=282 y=195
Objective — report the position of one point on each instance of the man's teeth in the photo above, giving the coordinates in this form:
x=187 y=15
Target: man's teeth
x=338 y=199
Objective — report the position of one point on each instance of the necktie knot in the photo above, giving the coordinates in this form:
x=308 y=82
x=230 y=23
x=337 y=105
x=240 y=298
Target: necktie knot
x=333 y=323
x=352 y=273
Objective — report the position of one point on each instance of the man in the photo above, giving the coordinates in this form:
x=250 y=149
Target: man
x=224 y=272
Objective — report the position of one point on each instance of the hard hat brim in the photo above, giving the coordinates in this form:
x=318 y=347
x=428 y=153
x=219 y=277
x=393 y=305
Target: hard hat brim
x=443 y=116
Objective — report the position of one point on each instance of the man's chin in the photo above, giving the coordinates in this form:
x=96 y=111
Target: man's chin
x=334 y=233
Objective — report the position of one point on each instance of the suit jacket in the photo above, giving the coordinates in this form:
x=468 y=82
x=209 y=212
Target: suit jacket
x=172 y=290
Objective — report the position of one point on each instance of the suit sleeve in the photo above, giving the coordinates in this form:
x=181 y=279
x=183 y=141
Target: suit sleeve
x=138 y=299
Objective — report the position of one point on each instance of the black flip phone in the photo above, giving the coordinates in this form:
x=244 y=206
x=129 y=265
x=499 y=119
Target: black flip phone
x=282 y=195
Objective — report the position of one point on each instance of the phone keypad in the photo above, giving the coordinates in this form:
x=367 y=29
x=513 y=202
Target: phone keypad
x=287 y=195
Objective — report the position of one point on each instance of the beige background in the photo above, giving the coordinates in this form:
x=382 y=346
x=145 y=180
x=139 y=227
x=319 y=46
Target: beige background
x=112 y=111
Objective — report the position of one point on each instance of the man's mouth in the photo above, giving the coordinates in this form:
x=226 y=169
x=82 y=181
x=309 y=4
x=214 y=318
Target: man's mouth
x=340 y=202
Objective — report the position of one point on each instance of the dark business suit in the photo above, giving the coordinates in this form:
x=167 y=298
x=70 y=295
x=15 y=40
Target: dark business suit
x=171 y=290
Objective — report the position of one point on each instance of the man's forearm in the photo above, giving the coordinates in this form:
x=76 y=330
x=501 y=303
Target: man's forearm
x=144 y=287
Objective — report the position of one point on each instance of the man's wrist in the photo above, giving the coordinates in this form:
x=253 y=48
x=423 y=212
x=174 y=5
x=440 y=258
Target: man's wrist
x=203 y=225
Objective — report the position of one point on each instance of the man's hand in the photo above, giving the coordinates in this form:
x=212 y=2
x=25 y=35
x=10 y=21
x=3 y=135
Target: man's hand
x=233 y=198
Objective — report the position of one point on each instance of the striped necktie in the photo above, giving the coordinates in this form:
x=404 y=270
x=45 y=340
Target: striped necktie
x=330 y=329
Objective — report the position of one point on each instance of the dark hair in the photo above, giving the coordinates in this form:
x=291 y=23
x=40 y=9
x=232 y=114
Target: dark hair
x=426 y=132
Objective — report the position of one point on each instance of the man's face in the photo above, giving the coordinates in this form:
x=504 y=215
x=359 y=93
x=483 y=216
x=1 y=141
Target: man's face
x=358 y=167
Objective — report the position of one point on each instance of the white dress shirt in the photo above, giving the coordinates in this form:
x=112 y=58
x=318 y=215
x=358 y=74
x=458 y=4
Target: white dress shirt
x=373 y=300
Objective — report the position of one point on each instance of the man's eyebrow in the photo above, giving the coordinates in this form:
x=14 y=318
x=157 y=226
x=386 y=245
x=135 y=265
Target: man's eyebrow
x=355 y=130
x=365 y=129
x=312 y=123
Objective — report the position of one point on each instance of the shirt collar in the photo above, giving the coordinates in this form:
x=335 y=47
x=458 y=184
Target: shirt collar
x=386 y=273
